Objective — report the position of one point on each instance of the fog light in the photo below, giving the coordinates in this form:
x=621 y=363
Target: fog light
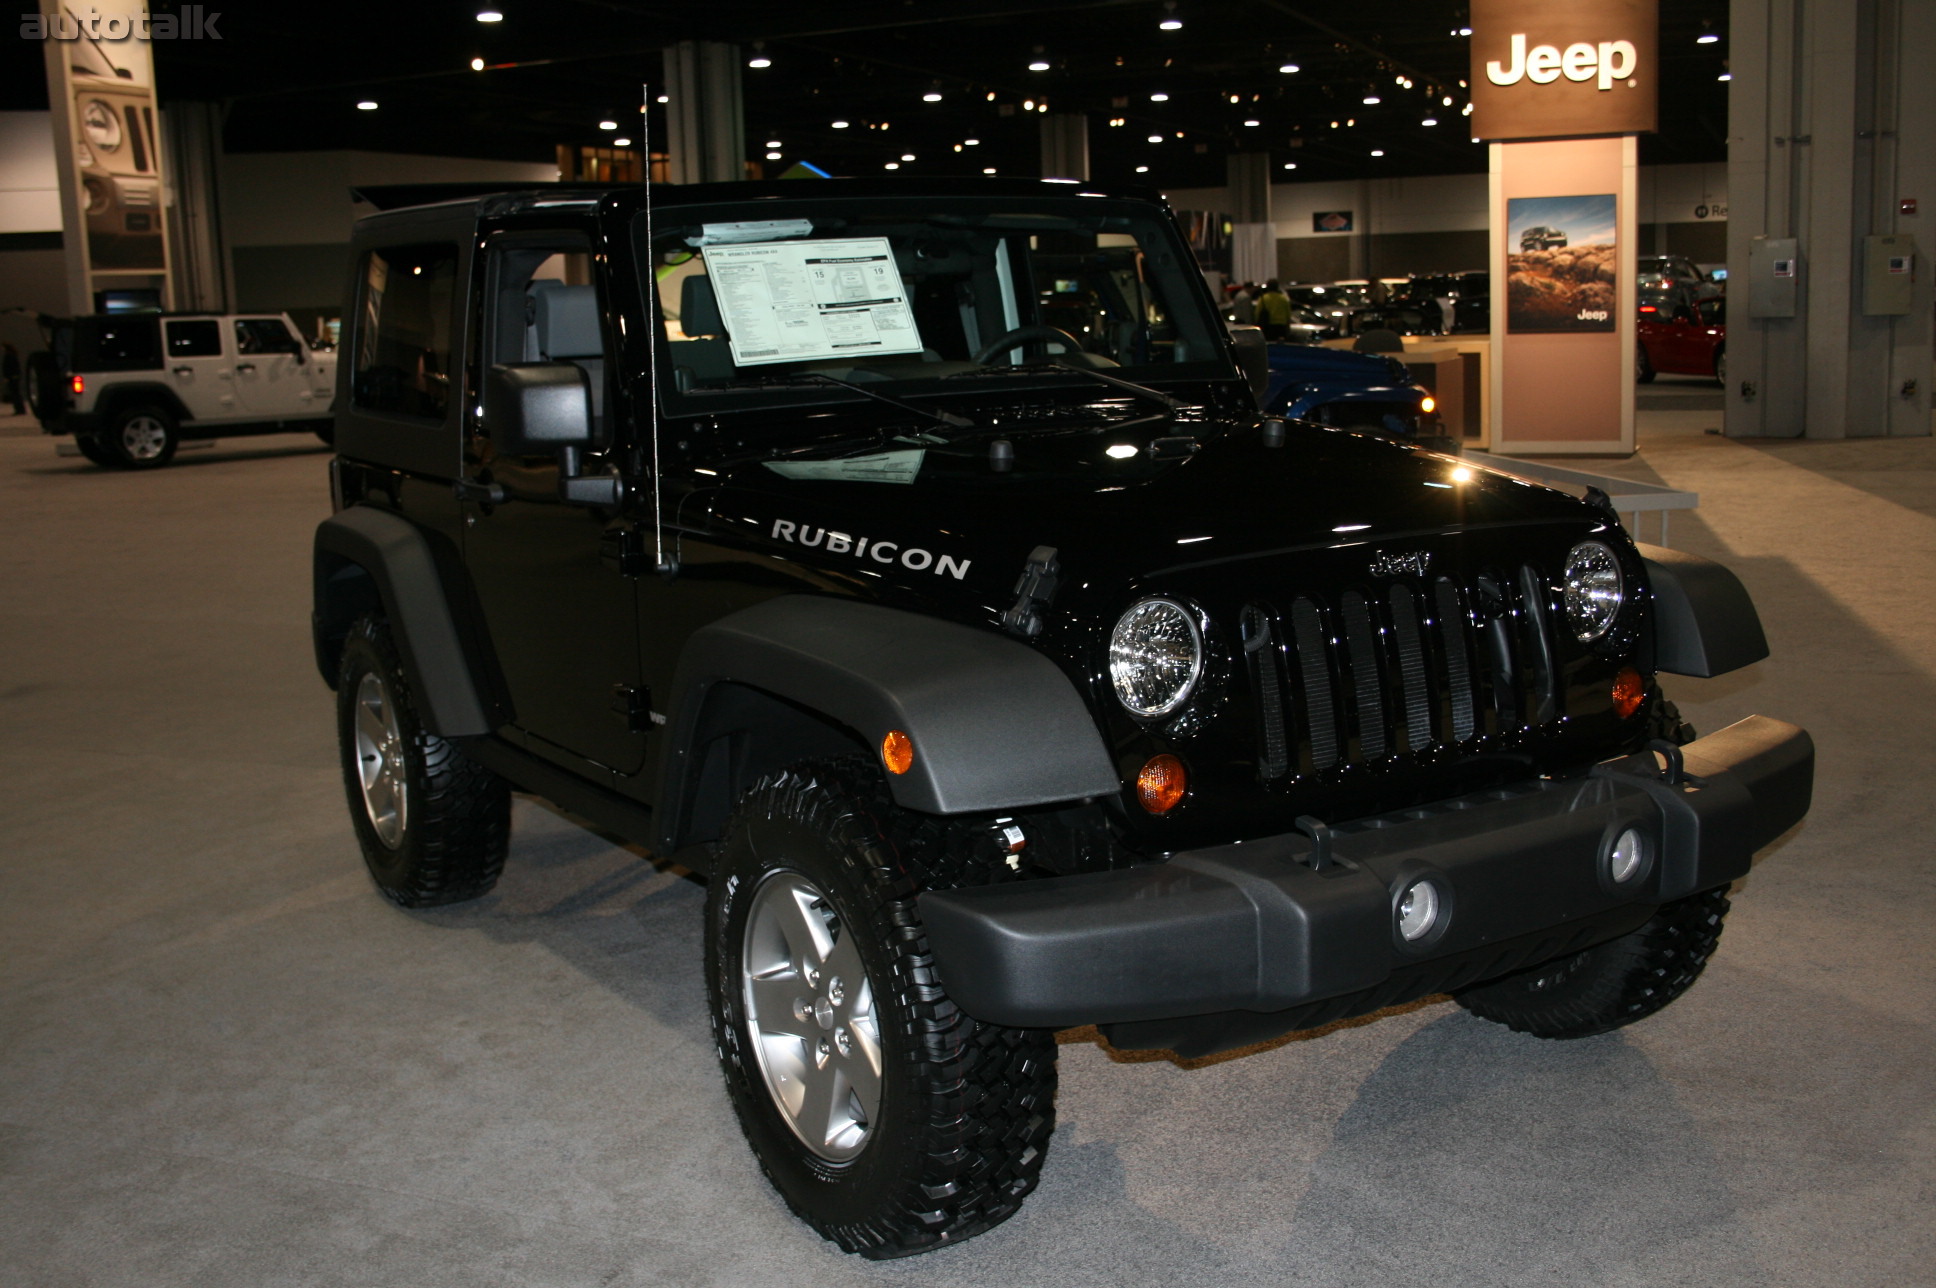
x=1627 y=857
x=1418 y=910
x=1161 y=784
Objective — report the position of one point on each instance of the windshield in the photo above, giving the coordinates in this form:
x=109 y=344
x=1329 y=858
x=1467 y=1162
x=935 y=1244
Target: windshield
x=763 y=303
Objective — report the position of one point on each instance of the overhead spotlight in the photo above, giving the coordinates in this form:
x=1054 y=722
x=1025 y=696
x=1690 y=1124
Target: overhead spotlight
x=608 y=125
x=663 y=98
x=1430 y=120
x=1290 y=165
x=1725 y=76
x=489 y=15
x=991 y=95
x=1462 y=31
x=774 y=143
x=1372 y=99
x=971 y=142
x=774 y=156
x=477 y=64
x=957 y=147
x=1039 y=63
x=1378 y=152
x=840 y=125
x=1170 y=21
x=367 y=105
x=759 y=58
x=1159 y=97
x=988 y=169
x=1446 y=101
x=931 y=97
x=1253 y=123
x=1154 y=138
x=1707 y=38
x=907 y=156
x=621 y=143
x=1142 y=169
x=1290 y=68
x=1466 y=110
x=892 y=165
x=1028 y=105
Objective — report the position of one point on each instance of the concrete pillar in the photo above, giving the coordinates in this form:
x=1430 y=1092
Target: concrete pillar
x=705 y=119
x=1253 y=234
x=1065 y=147
x=1832 y=124
x=193 y=133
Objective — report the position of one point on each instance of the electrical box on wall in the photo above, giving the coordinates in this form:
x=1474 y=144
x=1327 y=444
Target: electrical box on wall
x=1888 y=273
x=1774 y=268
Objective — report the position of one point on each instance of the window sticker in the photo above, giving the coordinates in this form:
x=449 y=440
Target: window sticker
x=887 y=467
x=797 y=301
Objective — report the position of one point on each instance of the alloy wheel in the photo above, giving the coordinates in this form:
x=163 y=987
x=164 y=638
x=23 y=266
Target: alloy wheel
x=379 y=761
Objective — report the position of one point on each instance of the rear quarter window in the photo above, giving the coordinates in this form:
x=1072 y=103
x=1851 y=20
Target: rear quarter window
x=402 y=358
x=117 y=344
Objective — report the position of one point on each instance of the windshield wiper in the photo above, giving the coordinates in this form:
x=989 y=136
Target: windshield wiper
x=1130 y=386
x=947 y=418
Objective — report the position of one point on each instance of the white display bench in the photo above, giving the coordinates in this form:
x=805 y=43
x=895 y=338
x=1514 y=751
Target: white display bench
x=1630 y=497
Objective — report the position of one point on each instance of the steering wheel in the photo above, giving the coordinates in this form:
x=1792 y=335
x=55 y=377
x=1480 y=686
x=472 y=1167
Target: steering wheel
x=1022 y=335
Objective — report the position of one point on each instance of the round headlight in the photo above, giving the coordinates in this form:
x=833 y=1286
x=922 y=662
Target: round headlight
x=1155 y=656
x=1593 y=590
x=100 y=125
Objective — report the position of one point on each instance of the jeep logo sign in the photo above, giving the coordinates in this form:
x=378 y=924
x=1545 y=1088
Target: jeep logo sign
x=1553 y=69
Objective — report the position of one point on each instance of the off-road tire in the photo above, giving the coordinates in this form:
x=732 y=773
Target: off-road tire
x=1613 y=984
x=1666 y=723
x=141 y=438
x=456 y=828
x=965 y=1109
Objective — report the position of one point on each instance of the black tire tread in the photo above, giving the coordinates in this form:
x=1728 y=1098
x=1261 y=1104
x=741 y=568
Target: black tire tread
x=460 y=828
x=1613 y=984
x=989 y=1091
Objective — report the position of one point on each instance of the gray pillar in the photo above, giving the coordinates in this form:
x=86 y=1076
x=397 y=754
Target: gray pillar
x=706 y=120
x=1832 y=121
x=1065 y=147
x=193 y=133
x=1253 y=236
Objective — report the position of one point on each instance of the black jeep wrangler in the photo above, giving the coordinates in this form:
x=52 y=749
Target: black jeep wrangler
x=1000 y=674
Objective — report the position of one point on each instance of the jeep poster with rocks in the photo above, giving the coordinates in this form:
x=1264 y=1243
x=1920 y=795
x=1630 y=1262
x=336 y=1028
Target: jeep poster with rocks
x=1562 y=267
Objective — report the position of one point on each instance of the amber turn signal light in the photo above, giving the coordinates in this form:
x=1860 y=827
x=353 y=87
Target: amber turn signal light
x=897 y=752
x=1428 y=404
x=1161 y=784
x=1629 y=691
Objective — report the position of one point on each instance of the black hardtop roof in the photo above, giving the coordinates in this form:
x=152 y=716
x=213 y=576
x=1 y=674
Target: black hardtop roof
x=665 y=195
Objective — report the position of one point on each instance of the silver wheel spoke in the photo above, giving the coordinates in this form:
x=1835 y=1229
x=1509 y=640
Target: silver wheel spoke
x=805 y=929
x=772 y=1001
x=863 y=1068
x=379 y=760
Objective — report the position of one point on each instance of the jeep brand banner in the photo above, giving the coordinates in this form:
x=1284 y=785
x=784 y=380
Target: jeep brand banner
x=1548 y=69
x=1562 y=264
x=101 y=86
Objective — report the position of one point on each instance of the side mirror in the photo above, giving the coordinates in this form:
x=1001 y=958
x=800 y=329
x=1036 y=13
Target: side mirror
x=1253 y=356
x=532 y=408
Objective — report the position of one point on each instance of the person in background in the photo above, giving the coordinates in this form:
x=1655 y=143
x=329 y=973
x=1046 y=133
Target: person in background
x=1243 y=305
x=10 y=387
x=1274 y=312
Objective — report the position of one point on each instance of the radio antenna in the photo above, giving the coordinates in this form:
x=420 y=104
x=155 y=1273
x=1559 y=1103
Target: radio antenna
x=656 y=319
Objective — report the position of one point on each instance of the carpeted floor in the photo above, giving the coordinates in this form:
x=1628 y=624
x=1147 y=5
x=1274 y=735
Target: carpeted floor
x=225 y=1063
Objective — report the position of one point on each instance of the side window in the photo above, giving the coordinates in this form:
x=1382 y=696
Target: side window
x=264 y=335
x=403 y=335
x=546 y=309
x=201 y=338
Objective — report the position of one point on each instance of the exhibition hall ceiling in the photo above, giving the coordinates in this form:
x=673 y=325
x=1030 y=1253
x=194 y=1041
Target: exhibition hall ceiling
x=959 y=88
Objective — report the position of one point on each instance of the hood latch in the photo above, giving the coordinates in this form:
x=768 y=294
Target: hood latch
x=1033 y=593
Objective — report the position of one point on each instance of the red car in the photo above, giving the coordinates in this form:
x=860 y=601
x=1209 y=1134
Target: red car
x=1681 y=336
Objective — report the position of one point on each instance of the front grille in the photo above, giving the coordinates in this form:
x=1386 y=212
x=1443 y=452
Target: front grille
x=1401 y=667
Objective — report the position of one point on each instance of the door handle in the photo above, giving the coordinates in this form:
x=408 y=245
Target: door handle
x=184 y=371
x=245 y=366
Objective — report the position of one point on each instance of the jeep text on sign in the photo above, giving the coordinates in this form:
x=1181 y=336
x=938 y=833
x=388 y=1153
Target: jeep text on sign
x=1547 y=70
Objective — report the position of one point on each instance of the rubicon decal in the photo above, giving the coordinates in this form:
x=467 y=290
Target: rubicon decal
x=867 y=549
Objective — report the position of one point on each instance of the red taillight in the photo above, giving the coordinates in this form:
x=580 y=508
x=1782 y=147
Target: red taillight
x=1648 y=308
x=80 y=386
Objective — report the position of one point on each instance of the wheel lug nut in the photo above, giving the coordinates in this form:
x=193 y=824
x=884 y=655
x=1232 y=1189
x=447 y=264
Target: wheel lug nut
x=844 y=1041
x=836 y=992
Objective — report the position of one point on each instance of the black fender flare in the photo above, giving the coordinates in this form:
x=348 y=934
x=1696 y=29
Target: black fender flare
x=1705 y=622
x=995 y=724
x=397 y=558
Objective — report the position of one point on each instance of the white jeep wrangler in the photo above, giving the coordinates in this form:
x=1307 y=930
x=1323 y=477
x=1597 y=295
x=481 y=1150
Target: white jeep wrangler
x=130 y=386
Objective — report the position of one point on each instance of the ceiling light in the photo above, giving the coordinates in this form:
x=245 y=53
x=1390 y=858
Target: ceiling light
x=1446 y=101
x=1170 y=24
x=907 y=156
x=1466 y=110
x=1706 y=38
x=1462 y=31
x=1378 y=152
x=1290 y=165
x=1159 y=97
x=1154 y=138
x=1289 y=68
x=774 y=143
x=608 y=125
x=663 y=98
x=489 y=15
x=1430 y=120
x=1039 y=65
x=1028 y=105
x=1372 y=99
x=971 y=142
x=840 y=125
x=1142 y=169
x=760 y=61
x=621 y=143
x=957 y=147
x=1725 y=76
x=1253 y=123
x=931 y=97
x=477 y=64
x=367 y=105
x=774 y=156
x=892 y=165
x=989 y=170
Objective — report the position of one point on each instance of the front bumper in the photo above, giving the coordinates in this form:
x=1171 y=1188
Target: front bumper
x=1254 y=926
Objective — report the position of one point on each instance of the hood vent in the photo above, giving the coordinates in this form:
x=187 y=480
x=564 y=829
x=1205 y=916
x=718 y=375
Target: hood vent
x=1402 y=667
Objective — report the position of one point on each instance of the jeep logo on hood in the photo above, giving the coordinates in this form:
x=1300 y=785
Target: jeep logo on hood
x=913 y=558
